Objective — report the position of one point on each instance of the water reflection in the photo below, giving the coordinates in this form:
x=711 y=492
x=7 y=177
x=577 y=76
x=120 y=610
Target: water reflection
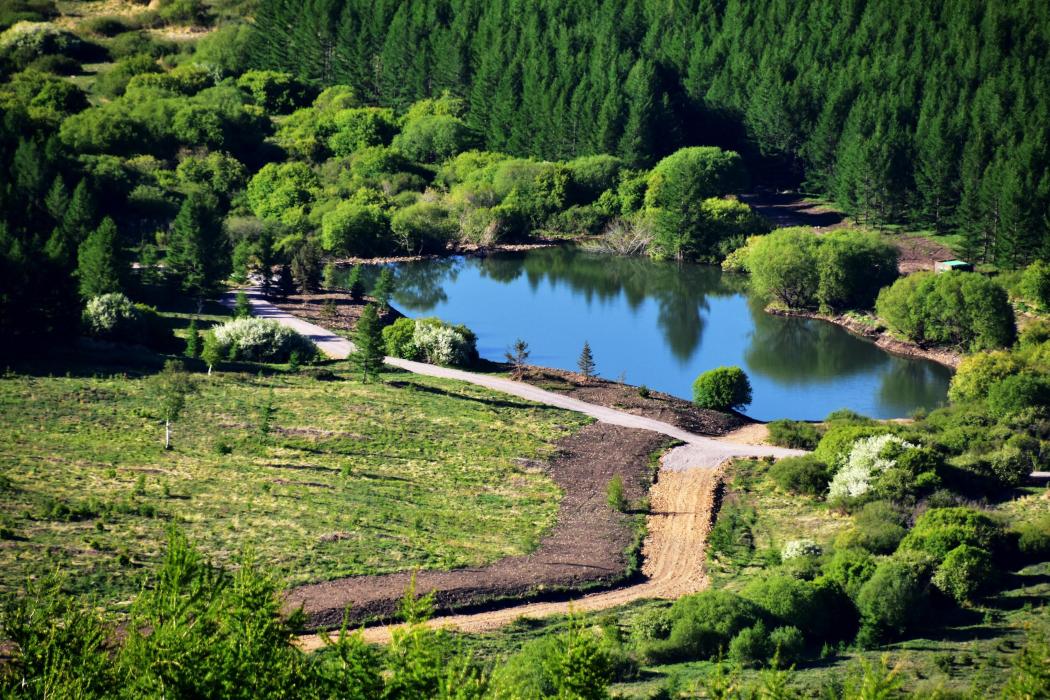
x=664 y=323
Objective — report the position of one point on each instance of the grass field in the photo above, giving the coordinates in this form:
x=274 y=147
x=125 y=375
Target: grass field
x=318 y=474
x=970 y=651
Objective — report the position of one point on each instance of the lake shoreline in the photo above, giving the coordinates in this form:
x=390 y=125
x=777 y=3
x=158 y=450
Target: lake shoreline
x=464 y=250
x=878 y=335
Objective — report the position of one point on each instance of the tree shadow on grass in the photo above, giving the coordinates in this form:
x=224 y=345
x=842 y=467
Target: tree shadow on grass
x=438 y=391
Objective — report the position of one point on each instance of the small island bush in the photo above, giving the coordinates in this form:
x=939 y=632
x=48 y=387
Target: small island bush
x=115 y=317
x=722 y=388
x=965 y=572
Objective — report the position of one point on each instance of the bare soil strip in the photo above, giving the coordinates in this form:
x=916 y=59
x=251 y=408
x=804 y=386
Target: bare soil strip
x=682 y=504
x=586 y=548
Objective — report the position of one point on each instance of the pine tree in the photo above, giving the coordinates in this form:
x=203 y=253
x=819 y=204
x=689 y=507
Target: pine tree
x=517 y=356
x=193 y=340
x=306 y=268
x=586 y=361
x=75 y=225
x=99 y=265
x=354 y=283
x=384 y=288
x=197 y=250
x=57 y=200
x=285 y=282
x=242 y=308
x=368 y=342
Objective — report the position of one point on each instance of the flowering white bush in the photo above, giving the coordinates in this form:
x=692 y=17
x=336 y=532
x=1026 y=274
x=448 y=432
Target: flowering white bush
x=441 y=344
x=262 y=340
x=800 y=548
x=867 y=459
x=104 y=314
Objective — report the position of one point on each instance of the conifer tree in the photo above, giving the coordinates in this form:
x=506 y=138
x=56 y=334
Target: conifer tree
x=197 y=250
x=57 y=200
x=193 y=340
x=586 y=361
x=74 y=226
x=384 y=288
x=368 y=343
x=354 y=283
x=99 y=265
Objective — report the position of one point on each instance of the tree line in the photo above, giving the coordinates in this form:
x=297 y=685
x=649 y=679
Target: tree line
x=931 y=113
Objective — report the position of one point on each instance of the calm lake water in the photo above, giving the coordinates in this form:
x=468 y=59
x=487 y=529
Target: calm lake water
x=662 y=324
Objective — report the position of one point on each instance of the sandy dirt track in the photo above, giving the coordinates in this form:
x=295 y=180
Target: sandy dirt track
x=673 y=552
x=681 y=500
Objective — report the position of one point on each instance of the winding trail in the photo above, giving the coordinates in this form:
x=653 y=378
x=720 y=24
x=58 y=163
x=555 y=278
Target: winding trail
x=681 y=500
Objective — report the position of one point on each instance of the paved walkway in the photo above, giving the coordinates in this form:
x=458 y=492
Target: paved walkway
x=699 y=451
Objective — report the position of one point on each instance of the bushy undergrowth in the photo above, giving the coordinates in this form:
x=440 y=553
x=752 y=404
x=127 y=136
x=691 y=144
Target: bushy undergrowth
x=261 y=340
x=431 y=340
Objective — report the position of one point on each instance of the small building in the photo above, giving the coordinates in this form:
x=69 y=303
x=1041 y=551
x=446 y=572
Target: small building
x=952 y=266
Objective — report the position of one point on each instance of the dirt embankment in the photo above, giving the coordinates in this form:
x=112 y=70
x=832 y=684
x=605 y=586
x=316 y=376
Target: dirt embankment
x=878 y=333
x=624 y=397
x=683 y=504
x=587 y=548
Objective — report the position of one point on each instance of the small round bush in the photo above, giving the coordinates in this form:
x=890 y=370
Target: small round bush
x=893 y=599
x=260 y=340
x=787 y=644
x=722 y=388
x=1016 y=393
x=809 y=605
x=1035 y=284
x=794 y=549
x=751 y=647
x=440 y=343
x=397 y=337
x=850 y=568
x=880 y=527
x=795 y=434
x=805 y=475
x=940 y=530
x=703 y=625
x=1013 y=462
x=964 y=573
x=114 y=317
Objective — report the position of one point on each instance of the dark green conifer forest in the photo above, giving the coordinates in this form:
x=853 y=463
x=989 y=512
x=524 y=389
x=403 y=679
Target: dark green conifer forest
x=935 y=113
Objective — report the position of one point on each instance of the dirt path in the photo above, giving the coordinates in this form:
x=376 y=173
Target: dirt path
x=674 y=561
x=681 y=500
x=704 y=451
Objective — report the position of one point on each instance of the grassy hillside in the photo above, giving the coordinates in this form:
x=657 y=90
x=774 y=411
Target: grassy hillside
x=319 y=474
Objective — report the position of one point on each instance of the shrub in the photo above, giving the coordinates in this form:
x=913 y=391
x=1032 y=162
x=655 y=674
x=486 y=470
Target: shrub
x=867 y=459
x=614 y=494
x=879 y=527
x=977 y=373
x=442 y=344
x=703 y=625
x=964 y=573
x=731 y=535
x=940 y=530
x=795 y=434
x=794 y=549
x=812 y=606
x=963 y=310
x=787 y=645
x=751 y=647
x=1035 y=285
x=422 y=227
x=805 y=474
x=838 y=440
x=260 y=340
x=1033 y=538
x=722 y=388
x=850 y=568
x=1018 y=392
x=398 y=339
x=1013 y=462
x=893 y=599
x=114 y=317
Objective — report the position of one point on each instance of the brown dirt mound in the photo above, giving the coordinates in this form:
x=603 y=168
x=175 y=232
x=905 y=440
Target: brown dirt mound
x=336 y=311
x=586 y=548
x=658 y=406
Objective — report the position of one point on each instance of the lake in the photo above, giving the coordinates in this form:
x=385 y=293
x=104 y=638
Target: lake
x=661 y=324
